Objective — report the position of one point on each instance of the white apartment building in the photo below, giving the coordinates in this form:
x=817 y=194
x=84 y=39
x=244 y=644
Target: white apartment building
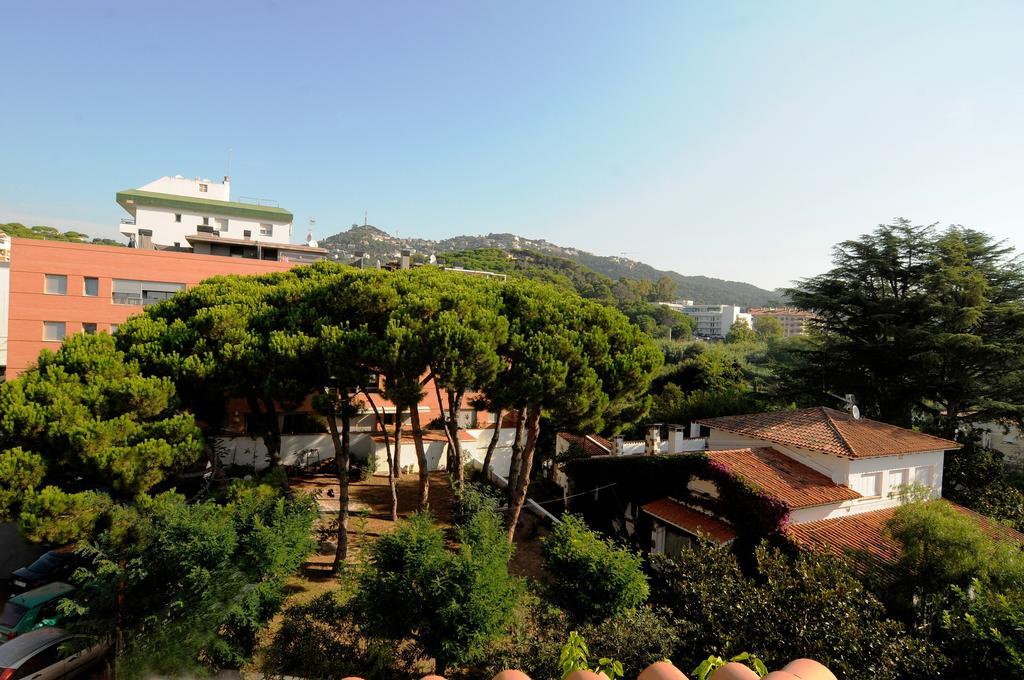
x=714 y=321
x=170 y=211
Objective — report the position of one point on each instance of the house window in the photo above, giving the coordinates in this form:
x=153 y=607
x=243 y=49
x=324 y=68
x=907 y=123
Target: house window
x=91 y=286
x=203 y=188
x=129 y=292
x=869 y=485
x=56 y=284
x=898 y=480
x=88 y=328
x=114 y=327
x=54 y=331
x=923 y=475
x=266 y=230
x=177 y=217
x=676 y=541
x=206 y=221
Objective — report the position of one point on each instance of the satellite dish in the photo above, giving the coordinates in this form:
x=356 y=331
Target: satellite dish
x=855 y=412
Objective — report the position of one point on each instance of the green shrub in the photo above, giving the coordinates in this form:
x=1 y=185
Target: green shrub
x=590 y=577
x=452 y=604
x=362 y=469
x=471 y=499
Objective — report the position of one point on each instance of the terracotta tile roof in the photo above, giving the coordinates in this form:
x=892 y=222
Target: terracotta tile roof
x=831 y=431
x=863 y=537
x=778 y=475
x=592 y=444
x=687 y=519
x=800 y=669
x=428 y=436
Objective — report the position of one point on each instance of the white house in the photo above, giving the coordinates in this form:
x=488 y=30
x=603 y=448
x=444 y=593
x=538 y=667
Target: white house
x=823 y=465
x=170 y=210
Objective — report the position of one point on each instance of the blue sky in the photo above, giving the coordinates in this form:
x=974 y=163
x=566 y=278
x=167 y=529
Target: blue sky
x=731 y=139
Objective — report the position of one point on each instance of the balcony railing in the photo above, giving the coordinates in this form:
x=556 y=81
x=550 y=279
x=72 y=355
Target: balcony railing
x=127 y=220
x=126 y=299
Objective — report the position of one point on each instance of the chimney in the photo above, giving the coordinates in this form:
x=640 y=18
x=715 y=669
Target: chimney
x=618 y=445
x=652 y=443
x=676 y=435
x=406 y=258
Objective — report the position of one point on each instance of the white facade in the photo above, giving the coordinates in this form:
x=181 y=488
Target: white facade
x=714 y=321
x=173 y=208
x=877 y=479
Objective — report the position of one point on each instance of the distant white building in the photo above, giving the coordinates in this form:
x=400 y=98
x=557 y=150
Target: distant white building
x=169 y=211
x=713 y=321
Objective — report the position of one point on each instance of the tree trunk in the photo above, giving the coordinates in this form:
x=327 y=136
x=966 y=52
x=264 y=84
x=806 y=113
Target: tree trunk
x=517 y=453
x=421 y=458
x=387 y=447
x=491 y=446
x=454 y=404
x=341 y=459
x=393 y=472
x=447 y=429
x=266 y=415
x=523 y=479
x=398 y=442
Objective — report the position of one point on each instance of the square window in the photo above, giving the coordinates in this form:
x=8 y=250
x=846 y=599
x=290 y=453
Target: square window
x=88 y=328
x=56 y=284
x=91 y=286
x=870 y=485
x=54 y=331
x=206 y=221
x=177 y=217
x=114 y=327
x=266 y=230
x=203 y=188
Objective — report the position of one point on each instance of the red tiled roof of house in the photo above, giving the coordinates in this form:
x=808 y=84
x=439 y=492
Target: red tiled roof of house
x=831 y=431
x=688 y=519
x=781 y=477
x=592 y=444
x=428 y=436
x=801 y=669
x=864 y=539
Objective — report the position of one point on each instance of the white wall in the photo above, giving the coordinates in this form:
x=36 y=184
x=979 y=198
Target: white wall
x=184 y=186
x=166 y=231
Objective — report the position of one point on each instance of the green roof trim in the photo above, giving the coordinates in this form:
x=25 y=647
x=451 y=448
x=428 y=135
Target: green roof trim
x=132 y=198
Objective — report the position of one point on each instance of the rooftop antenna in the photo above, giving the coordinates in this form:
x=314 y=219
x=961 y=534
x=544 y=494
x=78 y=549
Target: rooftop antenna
x=849 y=403
x=228 y=177
x=365 y=221
x=309 y=233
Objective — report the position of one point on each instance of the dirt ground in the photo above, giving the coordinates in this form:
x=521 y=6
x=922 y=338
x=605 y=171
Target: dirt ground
x=370 y=516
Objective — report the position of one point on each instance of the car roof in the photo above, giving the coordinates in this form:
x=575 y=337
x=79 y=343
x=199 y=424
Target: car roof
x=14 y=651
x=43 y=594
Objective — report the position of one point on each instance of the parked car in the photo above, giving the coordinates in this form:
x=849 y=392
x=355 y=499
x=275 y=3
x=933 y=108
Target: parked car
x=49 y=654
x=34 y=609
x=56 y=565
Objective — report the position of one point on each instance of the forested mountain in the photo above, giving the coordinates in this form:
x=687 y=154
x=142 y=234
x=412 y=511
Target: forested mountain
x=379 y=245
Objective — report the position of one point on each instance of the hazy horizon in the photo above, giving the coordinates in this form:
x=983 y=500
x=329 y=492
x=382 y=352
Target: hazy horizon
x=736 y=140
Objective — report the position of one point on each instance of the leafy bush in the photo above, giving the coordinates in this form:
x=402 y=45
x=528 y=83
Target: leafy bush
x=982 y=633
x=321 y=639
x=812 y=607
x=590 y=577
x=636 y=639
x=451 y=604
x=201 y=579
x=362 y=469
x=472 y=498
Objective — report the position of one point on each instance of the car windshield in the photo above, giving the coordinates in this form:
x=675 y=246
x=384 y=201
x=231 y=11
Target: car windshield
x=11 y=615
x=46 y=564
